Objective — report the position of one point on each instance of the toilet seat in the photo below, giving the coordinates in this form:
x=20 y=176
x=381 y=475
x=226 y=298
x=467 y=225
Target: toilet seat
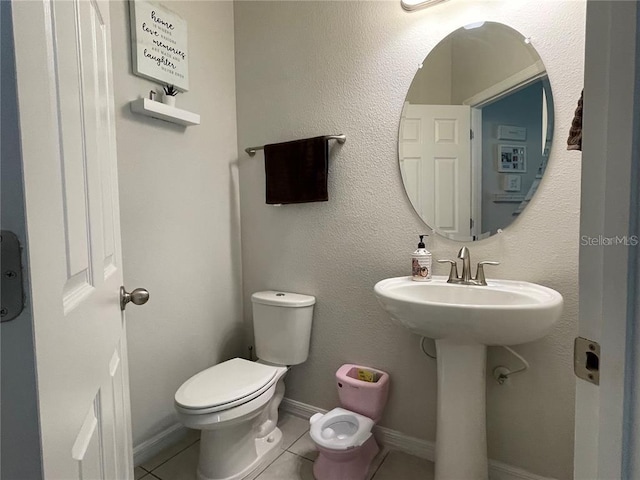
x=226 y=385
x=340 y=429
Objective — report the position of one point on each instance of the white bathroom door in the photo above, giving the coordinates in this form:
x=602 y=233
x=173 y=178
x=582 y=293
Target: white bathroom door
x=65 y=97
x=607 y=426
x=435 y=161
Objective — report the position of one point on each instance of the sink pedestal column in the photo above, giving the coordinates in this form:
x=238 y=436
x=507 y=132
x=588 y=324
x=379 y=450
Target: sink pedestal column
x=461 y=436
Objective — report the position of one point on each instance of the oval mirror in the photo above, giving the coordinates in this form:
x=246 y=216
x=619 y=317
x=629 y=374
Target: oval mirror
x=475 y=131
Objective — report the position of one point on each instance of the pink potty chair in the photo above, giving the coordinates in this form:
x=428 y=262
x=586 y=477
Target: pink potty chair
x=343 y=436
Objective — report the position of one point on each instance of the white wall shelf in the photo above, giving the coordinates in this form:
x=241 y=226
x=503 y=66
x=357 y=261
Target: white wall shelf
x=151 y=108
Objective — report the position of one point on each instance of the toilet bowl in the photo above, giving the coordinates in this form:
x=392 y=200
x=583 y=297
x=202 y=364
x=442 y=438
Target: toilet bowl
x=235 y=403
x=345 y=445
x=340 y=429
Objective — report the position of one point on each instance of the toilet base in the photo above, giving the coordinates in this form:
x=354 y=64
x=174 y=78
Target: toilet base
x=263 y=446
x=352 y=464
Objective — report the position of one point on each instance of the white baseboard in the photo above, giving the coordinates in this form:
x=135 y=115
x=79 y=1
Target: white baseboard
x=414 y=446
x=151 y=447
x=299 y=409
x=399 y=441
x=503 y=471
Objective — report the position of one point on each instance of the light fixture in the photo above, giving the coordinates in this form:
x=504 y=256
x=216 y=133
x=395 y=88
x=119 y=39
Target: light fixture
x=410 y=5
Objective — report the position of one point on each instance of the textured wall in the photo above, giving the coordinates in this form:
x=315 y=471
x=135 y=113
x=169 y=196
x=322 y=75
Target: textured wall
x=312 y=68
x=179 y=213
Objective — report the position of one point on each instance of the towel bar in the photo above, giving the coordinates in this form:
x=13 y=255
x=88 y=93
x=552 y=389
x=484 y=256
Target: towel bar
x=339 y=138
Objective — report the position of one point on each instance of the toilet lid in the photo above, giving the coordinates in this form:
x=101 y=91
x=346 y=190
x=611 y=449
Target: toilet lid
x=226 y=383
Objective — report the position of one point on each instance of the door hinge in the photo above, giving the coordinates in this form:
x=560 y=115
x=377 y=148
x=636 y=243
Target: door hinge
x=471 y=134
x=586 y=360
x=11 y=281
x=471 y=223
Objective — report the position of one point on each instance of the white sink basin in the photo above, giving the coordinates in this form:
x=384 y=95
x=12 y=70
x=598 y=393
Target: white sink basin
x=504 y=312
x=463 y=320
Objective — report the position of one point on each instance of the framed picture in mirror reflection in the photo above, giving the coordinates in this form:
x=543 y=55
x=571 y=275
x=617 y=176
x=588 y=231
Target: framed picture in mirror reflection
x=512 y=158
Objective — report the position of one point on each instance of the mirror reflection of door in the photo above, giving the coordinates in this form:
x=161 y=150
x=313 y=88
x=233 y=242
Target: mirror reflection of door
x=435 y=161
x=475 y=131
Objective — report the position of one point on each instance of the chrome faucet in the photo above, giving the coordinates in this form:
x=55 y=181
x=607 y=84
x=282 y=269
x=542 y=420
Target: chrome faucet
x=465 y=256
x=466 y=278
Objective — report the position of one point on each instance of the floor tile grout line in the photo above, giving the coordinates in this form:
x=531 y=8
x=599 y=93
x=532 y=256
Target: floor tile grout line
x=384 y=457
x=257 y=477
x=294 y=442
x=172 y=456
x=268 y=464
x=149 y=476
x=298 y=455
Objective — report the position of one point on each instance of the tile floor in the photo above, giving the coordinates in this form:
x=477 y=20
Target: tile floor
x=294 y=460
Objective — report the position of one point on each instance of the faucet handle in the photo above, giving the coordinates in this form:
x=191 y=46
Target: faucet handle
x=480 y=278
x=453 y=273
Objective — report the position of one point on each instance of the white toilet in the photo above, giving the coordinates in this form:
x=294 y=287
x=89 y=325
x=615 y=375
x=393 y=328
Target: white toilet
x=235 y=403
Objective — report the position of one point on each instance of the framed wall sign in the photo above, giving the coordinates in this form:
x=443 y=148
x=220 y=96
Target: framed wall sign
x=159 y=44
x=512 y=158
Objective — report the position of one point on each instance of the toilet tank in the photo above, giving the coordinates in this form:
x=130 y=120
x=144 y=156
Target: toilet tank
x=363 y=397
x=282 y=326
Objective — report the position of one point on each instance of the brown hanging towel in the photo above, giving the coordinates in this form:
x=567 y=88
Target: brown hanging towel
x=574 y=142
x=296 y=172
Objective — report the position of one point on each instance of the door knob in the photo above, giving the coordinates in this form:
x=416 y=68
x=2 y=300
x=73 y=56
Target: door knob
x=139 y=296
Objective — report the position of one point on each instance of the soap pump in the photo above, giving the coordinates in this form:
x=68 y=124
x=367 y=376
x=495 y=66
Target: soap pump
x=421 y=263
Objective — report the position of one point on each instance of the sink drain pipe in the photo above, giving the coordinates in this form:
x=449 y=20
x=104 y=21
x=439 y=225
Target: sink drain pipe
x=500 y=373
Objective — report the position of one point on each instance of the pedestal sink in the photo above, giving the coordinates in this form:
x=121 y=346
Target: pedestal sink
x=463 y=320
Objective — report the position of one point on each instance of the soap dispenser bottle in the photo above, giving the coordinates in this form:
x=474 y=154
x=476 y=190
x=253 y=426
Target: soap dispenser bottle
x=421 y=263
